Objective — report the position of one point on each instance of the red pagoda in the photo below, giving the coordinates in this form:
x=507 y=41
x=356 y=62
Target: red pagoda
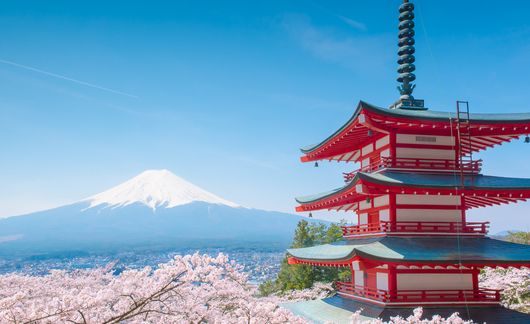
x=413 y=245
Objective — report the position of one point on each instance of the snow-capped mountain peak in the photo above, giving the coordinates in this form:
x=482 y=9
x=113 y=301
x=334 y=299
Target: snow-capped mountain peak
x=156 y=188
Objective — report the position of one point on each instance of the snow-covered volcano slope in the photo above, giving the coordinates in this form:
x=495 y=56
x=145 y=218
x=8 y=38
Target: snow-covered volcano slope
x=156 y=188
x=154 y=208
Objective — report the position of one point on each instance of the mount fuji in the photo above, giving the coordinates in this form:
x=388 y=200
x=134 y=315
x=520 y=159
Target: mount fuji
x=155 y=208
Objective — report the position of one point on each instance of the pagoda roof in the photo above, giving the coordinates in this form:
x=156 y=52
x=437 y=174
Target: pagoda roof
x=429 y=250
x=444 y=115
x=397 y=181
x=340 y=310
x=493 y=128
x=478 y=181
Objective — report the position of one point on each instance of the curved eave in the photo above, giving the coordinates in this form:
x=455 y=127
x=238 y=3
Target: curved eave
x=327 y=258
x=504 y=190
x=477 y=182
x=451 y=250
x=310 y=148
x=516 y=124
x=331 y=198
x=328 y=194
x=443 y=116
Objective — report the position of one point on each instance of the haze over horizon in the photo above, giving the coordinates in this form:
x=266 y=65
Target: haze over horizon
x=224 y=94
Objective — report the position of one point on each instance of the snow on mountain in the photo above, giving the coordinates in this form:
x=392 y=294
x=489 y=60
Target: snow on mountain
x=155 y=188
x=186 y=217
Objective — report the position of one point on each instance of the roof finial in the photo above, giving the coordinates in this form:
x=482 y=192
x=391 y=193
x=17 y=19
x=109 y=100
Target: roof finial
x=406 y=58
x=406 y=50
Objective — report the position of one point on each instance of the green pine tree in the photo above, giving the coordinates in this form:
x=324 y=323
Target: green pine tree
x=300 y=276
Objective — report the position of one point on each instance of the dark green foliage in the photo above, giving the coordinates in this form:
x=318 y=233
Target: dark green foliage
x=304 y=276
x=519 y=237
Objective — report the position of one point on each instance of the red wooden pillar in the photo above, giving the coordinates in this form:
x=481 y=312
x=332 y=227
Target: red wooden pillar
x=392 y=282
x=392 y=210
x=463 y=209
x=393 y=157
x=474 y=275
x=352 y=274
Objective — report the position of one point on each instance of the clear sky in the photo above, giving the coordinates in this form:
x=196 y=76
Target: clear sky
x=223 y=93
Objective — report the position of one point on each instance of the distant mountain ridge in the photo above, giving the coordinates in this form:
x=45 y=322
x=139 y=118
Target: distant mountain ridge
x=153 y=208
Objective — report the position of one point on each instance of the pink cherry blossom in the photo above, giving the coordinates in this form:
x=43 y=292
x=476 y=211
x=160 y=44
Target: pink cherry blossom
x=188 y=289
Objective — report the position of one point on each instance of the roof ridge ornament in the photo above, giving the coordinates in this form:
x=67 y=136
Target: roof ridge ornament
x=406 y=59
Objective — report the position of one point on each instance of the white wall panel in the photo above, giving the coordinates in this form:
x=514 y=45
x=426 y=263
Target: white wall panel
x=359 y=278
x=382 y=142
x=382 y=280
x=363 y=204
x=428 y=200
x=425 y=139
x=419 y=153
x=428 y=215
x=365 y=162
x=363 y=218
x=381 y=201
x=420 y=281
x=367 y=149
x=384 y=215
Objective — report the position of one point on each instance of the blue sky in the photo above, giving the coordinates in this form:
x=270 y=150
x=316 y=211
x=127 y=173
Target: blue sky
x=224 y=93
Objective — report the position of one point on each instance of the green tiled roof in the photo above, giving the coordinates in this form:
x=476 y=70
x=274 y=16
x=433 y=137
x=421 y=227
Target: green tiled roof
x=446 y=180
x=409 y=179
x=420 y=249
x=425 y=115
x=444 y=115
x=339 y=310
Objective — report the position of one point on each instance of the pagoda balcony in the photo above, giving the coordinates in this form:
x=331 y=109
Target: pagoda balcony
x=418 y=165
x=418 y=297
x=417 y=228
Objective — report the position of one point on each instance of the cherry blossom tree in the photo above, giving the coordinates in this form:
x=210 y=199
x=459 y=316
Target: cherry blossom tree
x=515 y=284
x=191 y=289
x=188 y=289
x=415 y=318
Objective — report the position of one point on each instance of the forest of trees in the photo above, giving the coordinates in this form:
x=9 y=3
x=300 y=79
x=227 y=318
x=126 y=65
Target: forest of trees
x=304 y=276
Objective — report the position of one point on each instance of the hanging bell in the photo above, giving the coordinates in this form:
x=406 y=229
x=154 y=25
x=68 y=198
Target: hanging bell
x=310 y=215
x=527 y=139
x=316 y=164
x=370 y=133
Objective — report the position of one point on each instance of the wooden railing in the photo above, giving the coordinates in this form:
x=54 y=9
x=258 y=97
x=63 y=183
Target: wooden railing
x=479 y=295
x=473 y=166
x=417 y=227
x=351 y=289
x=419 y=296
